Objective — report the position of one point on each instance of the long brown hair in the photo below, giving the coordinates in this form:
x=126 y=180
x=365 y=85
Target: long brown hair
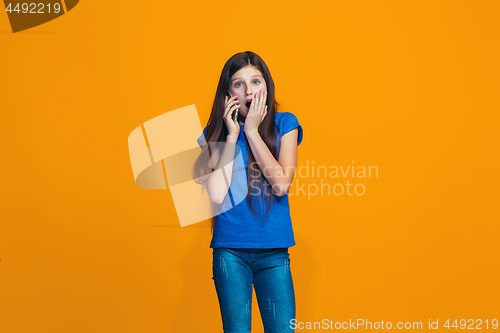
x=217 y=130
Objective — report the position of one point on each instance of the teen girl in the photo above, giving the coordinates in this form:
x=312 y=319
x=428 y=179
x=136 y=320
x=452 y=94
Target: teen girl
x=250 y=244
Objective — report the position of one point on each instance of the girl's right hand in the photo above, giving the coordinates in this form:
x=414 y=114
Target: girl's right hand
x=233 y=126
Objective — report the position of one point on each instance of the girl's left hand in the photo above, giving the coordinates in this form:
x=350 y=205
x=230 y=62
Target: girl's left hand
x=257 y=112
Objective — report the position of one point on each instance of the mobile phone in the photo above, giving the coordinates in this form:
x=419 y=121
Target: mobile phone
x=236 y=112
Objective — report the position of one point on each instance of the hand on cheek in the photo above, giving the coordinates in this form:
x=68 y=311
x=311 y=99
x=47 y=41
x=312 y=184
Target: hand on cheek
x=257 y=112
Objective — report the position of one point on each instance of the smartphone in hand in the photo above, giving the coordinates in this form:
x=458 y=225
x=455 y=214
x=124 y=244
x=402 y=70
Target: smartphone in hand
x=235 y=113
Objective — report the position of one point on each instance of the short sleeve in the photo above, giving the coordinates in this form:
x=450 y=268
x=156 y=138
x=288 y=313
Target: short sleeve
x=289 y=123
x=201 y=140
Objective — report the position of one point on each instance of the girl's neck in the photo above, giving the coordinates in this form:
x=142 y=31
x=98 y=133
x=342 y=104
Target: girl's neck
x=241 y=120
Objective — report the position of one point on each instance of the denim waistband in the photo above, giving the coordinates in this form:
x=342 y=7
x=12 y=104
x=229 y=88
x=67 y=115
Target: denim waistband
x=252 y=250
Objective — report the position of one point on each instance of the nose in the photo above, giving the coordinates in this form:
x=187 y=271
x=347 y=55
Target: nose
x=249 y=91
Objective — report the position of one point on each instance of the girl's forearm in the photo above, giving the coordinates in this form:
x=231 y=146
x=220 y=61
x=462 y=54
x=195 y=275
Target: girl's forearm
x=271 y=169
x=217 y=186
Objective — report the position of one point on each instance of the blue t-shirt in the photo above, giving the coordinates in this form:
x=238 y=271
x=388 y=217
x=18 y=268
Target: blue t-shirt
x=237 y=227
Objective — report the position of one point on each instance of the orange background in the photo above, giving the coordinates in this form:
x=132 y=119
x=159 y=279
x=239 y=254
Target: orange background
x=409 y=87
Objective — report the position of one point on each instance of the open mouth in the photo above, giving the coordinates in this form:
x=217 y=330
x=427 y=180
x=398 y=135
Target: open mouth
x=249 y=102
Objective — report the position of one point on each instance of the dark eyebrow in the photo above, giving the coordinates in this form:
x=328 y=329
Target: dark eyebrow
x=237 y=78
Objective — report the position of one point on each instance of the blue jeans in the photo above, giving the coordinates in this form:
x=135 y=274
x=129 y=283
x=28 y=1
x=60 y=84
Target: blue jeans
x=234 y=272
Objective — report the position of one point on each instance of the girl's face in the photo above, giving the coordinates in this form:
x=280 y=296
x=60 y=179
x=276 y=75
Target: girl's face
x=245 y=84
